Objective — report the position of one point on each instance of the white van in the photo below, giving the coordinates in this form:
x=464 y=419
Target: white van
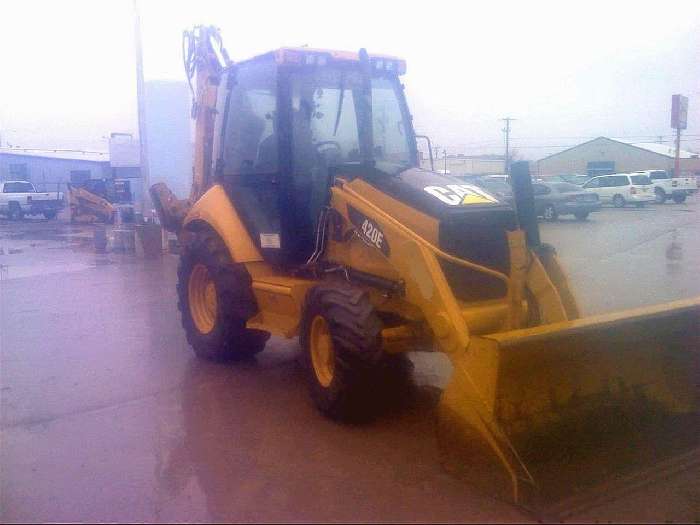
x=622 y=188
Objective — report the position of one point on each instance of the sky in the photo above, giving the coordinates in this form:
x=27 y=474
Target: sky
x=566 y=71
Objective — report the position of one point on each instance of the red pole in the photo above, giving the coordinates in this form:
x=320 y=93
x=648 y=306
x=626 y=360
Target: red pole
x=677 y=170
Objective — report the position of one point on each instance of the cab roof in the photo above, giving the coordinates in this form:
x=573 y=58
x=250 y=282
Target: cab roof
x=314 y=56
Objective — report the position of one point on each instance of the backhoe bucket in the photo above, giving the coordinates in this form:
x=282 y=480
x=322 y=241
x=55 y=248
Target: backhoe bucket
x=539 y=414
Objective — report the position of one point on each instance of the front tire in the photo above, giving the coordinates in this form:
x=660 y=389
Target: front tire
x=679 y=199
x=581 y=215
x=215 y=299
x=341 y=342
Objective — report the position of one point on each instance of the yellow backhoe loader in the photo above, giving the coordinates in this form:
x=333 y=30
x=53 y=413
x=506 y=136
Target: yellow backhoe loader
x=310 y=217
x=97 y=200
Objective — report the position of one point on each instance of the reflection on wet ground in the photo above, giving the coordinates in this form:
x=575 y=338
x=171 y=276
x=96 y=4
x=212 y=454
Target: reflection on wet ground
x=106 y=415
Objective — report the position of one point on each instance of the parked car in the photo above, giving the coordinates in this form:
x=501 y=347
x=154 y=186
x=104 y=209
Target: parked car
x=553 y=199
x=497 y=187
x=579 y=180
x=667 y=187
x=622 y=188
x=19 y=198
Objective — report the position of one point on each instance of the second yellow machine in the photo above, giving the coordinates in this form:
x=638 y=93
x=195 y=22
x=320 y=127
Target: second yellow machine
x=310 y=216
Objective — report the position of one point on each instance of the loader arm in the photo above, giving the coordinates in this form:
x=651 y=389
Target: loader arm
x=530 y=411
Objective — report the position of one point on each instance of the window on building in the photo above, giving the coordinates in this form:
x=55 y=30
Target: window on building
x=79 y=176
x=19 y=171
x=603 y=167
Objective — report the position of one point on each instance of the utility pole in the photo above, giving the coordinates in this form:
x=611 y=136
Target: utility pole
x=141 y=102
x=444 y=152
x=506 y=130
x=679 y=121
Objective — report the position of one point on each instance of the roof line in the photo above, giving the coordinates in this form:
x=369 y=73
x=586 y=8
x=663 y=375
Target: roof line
x=46 y=150
x=609 y=139
x=575 y=146
x=46 y=154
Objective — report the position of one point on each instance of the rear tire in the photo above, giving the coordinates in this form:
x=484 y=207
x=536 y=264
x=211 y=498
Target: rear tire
x=550 y=213
x=619 y=201
x=582 y=215
x=215 y=300
x=660 y=196
x=50 y=215
x=679 y=199
x=341 y=342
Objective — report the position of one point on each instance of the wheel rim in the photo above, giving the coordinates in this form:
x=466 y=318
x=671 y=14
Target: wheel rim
x=618 y=201
x=202 y=298
x=322 y=355
x=548 y=212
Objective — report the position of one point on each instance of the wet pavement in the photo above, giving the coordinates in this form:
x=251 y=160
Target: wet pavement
x=107 y=416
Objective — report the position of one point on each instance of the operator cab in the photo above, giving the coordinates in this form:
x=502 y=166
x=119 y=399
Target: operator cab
x=289 y=120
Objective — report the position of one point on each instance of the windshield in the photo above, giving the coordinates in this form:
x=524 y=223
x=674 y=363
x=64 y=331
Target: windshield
x=388 y=125
x=325 y=103
x=640 y=179
x=495 y=185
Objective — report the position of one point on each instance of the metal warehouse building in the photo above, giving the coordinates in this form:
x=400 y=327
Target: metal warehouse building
x=603 y=155
x=47 y=169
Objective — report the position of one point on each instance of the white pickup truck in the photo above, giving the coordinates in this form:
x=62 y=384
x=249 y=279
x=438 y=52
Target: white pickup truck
x=667 y=187
x=19 y=198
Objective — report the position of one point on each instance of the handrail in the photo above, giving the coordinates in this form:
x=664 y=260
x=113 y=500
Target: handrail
x=437 y=251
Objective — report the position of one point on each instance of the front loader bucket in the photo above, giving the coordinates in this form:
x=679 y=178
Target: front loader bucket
x=540 y=414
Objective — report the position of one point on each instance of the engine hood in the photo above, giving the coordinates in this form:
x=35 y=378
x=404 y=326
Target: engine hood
x=438 y=195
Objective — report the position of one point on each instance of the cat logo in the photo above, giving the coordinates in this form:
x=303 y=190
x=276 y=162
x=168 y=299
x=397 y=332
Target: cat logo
x=460 y=194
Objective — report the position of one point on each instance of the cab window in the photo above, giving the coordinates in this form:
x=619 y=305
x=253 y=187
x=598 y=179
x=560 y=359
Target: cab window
x=250 y=138
x=18 y=187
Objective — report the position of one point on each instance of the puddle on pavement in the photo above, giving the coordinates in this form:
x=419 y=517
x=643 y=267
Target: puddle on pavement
x=8 y=272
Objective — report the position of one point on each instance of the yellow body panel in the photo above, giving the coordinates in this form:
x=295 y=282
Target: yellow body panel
x=280 y=300
x=423 y=225
x=214 y=208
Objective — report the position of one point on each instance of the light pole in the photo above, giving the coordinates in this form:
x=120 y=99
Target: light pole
x=140 y=99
